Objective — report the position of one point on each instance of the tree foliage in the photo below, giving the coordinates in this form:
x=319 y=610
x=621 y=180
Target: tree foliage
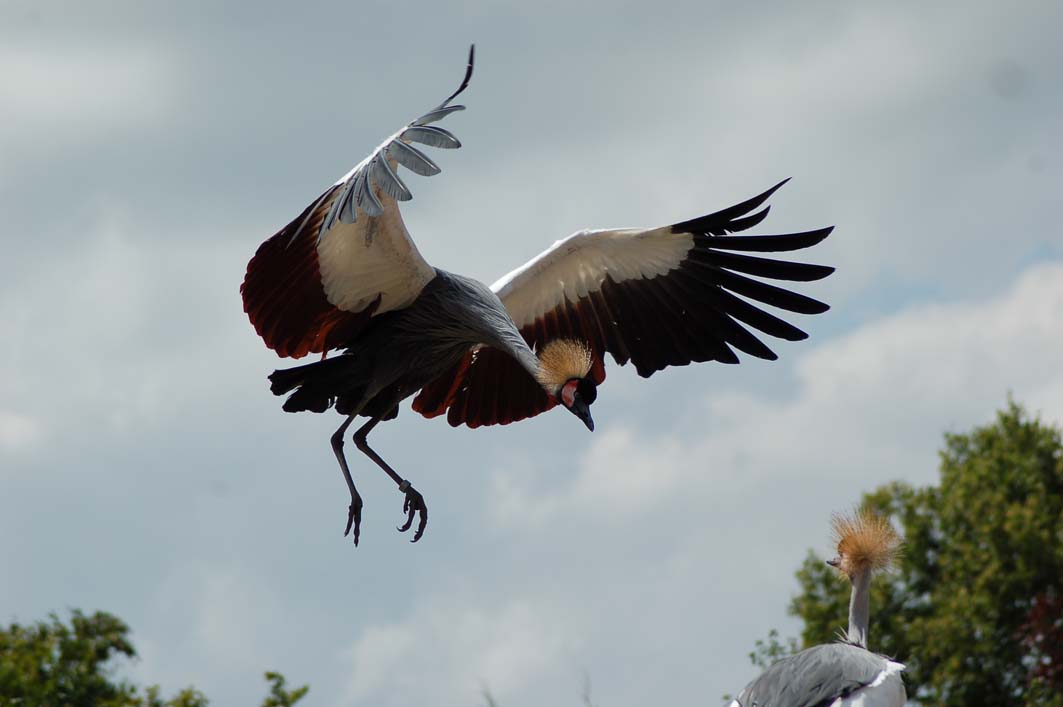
x=976 y=608
x=52 y=664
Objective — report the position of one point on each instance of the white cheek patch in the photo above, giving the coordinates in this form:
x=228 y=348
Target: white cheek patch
x=568 y=393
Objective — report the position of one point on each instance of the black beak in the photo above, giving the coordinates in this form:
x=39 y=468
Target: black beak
x=835 y=562
x=583 y=411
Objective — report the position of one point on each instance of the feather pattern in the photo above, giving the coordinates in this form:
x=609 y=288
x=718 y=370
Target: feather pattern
x=378 y=171
x=348 y=257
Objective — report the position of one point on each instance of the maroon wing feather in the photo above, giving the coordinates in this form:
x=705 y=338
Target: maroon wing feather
x=489 y=387
x=283 y=295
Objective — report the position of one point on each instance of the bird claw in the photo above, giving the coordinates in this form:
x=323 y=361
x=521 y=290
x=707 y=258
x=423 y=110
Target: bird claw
x=414 y=504
x=354 y=518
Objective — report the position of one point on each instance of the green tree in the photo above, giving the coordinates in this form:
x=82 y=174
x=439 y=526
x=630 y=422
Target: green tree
x=976 y=608
x=52 y=664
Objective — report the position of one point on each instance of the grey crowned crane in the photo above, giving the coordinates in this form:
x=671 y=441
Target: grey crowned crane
x=345 y=276
x=846 y=673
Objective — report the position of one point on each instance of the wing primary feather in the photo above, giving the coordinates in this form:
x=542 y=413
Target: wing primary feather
x=756 y=317
x=707 y=330
x=747 y=222
x=763 y=292
x=465 y=81
x=370 y=203
x=348 y=211
x=359 y=188
x=714 y=300
x=765 y=267
x=412 y=159
x=387 y=180
x=437 y=114
x=766 y=244
x=740 y=337
x=702 y=325
x=377 y=172
x=725 y=355
x=432 y=136
x=720 y=222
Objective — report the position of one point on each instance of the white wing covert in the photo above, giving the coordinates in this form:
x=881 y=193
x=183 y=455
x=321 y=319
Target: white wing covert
x=348 y=256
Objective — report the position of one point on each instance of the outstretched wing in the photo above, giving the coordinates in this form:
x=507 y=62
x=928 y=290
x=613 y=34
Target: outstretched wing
x=348 y=256
x=657 y=297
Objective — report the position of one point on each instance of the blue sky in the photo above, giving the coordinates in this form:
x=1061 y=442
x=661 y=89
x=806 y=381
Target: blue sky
x=148 y=148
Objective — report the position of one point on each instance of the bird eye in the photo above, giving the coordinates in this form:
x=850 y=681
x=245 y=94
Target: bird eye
x=568 y=393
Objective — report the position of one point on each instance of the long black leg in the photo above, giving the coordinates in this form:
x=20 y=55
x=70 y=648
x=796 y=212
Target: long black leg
x=354 y=512
x=414 y=503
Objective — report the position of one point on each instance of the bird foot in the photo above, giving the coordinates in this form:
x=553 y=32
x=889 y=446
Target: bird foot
x=354 y=518
x=414 y=504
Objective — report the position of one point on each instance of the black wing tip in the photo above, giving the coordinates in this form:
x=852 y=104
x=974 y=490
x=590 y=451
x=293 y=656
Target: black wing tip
x=733 y=218
x=759 y=199
x=465 y=81
x=818 y=235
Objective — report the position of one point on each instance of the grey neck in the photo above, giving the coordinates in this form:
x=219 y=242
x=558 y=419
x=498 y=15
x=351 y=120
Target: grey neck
x=527 y=358
x=860 y=608
x=510 y=341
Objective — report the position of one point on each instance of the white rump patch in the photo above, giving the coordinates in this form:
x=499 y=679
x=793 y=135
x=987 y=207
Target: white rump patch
x=887 y=690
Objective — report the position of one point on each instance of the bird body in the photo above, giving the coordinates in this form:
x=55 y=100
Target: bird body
x=834 y=674
x=345 y=278
x=401 y=351
x=846 y=673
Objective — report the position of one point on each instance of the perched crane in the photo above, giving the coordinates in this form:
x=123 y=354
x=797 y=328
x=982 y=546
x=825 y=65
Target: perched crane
x=846 y=673
x=345 y=276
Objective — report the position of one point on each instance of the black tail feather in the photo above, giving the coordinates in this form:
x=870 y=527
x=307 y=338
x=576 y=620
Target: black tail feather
x=286 y=379
x=316 y=385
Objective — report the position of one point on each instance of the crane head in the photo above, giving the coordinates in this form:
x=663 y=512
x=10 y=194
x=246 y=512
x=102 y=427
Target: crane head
x=577 y=394
x=866 y=542
x=564 y=372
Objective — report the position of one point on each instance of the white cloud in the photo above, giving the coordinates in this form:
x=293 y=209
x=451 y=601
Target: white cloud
x=448 y=651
